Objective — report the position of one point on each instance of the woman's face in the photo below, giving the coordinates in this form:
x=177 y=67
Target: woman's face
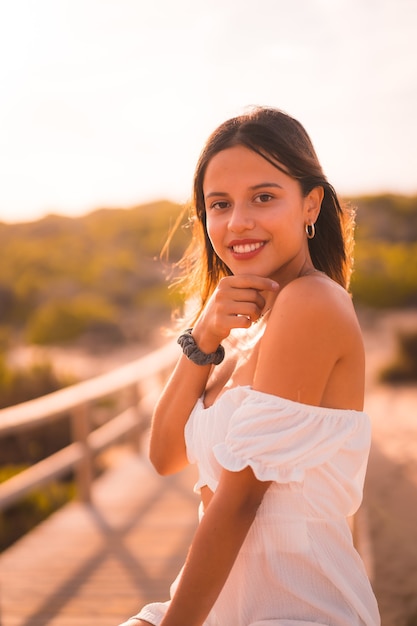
x=256 y=215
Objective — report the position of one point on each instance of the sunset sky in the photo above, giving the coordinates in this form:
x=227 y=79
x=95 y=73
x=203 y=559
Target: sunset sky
x=108 y=102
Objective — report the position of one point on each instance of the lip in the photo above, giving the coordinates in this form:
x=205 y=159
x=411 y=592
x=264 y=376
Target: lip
x=245 y=249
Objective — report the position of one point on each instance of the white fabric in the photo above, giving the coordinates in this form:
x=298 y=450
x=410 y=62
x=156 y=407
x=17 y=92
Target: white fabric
x=297 y=565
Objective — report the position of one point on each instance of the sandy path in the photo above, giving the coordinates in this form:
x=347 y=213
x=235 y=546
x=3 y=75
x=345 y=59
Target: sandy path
x=391 y=485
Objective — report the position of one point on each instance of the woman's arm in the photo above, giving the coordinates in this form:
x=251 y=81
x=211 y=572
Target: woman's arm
x=306 y=336
x=167 y=445
x=215 y=547
x=236 y=303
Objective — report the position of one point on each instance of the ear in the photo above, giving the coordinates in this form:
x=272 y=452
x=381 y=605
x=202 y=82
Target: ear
x=312 y=204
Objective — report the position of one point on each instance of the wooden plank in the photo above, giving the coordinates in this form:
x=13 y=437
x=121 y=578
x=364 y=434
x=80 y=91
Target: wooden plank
x=76 y=400
x=60 y=462
x=101 y=562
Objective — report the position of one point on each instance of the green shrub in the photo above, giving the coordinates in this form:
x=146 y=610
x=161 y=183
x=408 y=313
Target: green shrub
x=403 y=369
x=385 y=274
x=61 y=321
x=18 y=519
x=21 y=384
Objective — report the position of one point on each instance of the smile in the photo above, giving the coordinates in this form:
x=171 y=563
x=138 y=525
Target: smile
x=247 y=247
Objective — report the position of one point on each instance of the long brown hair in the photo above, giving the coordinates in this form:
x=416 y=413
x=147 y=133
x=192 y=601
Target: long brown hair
x=281 y=140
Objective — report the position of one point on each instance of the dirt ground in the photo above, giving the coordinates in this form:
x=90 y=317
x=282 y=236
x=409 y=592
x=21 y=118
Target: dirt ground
x=390 y=500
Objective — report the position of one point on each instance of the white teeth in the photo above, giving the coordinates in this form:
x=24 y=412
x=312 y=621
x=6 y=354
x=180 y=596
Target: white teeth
x=247 y=247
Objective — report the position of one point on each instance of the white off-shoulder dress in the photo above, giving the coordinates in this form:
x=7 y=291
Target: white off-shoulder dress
x=297 y=565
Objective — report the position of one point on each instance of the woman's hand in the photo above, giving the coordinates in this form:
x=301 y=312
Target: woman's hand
x=237 y=302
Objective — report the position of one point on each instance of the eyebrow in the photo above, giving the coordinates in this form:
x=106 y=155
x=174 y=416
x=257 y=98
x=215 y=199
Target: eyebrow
x=266 y=184
x=253 y=188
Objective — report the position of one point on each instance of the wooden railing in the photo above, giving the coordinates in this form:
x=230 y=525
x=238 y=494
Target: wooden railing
x=135 y=381
x=139 y=382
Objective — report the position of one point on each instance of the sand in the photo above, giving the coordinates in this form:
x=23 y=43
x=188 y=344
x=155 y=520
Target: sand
x=390 y=499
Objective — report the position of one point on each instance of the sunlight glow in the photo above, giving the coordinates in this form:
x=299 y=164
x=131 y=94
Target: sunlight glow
x=108 y=102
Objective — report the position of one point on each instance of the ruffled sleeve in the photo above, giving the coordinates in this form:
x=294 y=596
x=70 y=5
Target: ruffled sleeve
x=281 y=439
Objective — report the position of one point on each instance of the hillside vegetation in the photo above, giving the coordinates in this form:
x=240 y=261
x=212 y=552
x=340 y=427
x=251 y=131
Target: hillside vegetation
x=100 y=277
x=101 y=273
x=97 y=277
x=386 y=251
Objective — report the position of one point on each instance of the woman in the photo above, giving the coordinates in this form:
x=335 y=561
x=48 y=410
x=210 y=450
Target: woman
x=267 y=398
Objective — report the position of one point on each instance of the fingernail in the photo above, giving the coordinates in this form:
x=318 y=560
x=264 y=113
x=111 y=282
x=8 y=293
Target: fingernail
x=274 y=284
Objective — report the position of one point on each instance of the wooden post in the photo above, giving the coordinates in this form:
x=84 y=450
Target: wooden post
x=133 y=400
x=84 y=468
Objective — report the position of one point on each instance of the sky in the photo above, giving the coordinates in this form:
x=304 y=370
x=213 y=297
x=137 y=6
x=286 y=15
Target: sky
x=107 y=103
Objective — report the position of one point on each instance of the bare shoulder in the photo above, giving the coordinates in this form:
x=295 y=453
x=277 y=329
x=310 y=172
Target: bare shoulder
x=317 y=299
x=312 y=345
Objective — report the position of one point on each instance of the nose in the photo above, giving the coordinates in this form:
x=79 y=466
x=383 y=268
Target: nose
x=241 y=218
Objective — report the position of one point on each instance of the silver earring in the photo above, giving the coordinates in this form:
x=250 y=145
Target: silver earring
x=310 y=231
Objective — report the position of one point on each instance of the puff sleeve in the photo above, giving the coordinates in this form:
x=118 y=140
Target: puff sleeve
x=281 y=439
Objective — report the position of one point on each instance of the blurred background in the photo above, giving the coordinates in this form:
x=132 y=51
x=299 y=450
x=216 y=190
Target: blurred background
x=104 y=108
x=108 y=103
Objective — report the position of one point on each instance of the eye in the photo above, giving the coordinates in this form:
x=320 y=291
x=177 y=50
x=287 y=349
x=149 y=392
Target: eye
x=263 y=197
x=219 y=205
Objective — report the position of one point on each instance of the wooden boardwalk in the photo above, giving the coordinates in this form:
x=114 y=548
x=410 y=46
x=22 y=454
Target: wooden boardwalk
x=97 y=564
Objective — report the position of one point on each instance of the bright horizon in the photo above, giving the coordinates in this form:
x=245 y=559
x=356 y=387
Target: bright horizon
x=108 y=103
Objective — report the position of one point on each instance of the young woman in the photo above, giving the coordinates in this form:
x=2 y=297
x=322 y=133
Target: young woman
x=267 y=398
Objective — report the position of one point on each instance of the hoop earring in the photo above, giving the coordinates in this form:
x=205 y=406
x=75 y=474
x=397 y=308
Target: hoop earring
x=310 y=230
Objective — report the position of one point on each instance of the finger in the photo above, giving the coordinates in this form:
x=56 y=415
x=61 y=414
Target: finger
x=250 y=310
x=240 y=321
x=252 y=297
x=251 y=281
x=235 y=292
x=234 y=301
